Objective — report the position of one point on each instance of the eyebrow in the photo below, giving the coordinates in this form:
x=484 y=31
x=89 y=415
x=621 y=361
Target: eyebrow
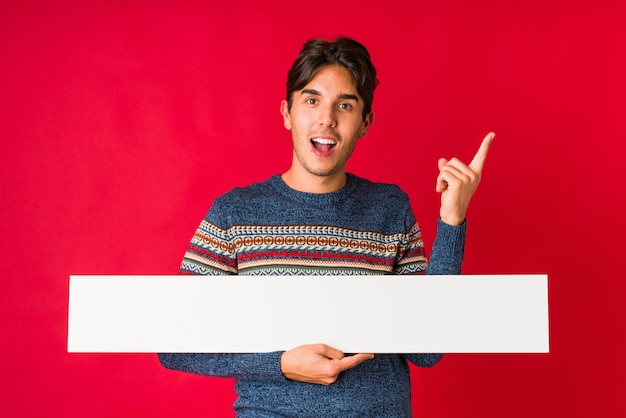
x=344 y=96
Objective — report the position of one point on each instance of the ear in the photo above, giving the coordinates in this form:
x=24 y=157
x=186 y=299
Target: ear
x=367 y=122
x=284 y=110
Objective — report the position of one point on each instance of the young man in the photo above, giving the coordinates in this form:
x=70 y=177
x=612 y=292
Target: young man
x=317 y=219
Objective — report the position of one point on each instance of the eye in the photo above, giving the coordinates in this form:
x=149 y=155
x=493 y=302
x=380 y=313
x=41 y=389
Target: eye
x=345 y=106
x=311 y=101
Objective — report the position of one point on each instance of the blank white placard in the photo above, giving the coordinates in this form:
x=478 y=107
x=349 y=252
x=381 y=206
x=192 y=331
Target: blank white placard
x=372 y=314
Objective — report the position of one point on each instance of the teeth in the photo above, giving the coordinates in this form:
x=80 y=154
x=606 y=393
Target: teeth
x=323 y=141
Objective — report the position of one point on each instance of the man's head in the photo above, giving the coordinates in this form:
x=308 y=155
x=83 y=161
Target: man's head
x=317 y=54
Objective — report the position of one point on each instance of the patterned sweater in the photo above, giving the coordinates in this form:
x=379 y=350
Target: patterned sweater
x=268 y=228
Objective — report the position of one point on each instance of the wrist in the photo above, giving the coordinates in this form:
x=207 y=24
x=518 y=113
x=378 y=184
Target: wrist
x=452 y=220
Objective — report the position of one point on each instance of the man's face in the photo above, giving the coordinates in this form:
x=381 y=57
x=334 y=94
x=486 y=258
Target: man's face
x=326 y=121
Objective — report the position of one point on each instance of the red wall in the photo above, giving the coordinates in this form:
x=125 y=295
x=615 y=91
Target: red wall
x=121 y=123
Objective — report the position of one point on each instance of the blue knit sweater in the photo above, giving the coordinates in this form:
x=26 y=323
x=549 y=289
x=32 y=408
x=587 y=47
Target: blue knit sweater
x=269 y=228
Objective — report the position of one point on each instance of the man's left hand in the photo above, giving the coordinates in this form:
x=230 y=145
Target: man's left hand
x=457 y=183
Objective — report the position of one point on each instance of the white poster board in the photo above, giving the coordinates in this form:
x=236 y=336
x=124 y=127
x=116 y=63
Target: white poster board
x=356 y=314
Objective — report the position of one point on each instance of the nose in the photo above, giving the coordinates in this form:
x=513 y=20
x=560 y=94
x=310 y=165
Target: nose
x=327 y=116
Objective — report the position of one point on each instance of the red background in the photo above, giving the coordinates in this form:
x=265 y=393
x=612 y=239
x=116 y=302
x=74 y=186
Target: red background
x=120 y=123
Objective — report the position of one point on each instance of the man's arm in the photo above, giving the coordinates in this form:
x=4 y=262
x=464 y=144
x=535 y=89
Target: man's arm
x=262 y=366
x=457 y=183
x=446 y=256
x=210 y=253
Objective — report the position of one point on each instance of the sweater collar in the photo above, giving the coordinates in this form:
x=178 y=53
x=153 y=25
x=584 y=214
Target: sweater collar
x=317 y=199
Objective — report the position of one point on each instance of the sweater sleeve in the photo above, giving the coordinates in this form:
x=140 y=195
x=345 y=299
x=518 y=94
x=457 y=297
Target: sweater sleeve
x=210 y=253
x=259 y=366
x=448 y=250
x=446 y=257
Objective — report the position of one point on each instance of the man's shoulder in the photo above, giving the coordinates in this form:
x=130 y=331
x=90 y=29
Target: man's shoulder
x=251 y=191
x=378 y=190
x=245 y=204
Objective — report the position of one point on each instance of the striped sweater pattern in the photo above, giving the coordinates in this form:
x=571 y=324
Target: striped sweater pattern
x=308 y=242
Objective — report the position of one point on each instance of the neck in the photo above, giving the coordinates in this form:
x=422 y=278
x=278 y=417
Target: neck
x=311 y=183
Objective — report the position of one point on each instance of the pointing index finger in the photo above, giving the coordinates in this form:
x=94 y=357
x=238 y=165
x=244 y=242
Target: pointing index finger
x=478 y=162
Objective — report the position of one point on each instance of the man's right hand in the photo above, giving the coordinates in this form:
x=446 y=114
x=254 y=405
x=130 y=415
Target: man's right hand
x=318 y=363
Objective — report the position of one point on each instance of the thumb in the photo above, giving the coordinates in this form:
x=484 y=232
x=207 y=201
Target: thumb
x=354 y=360
x=441 y=183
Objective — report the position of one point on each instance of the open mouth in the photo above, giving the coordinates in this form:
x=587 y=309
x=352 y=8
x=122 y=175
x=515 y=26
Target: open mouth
x=323 y=145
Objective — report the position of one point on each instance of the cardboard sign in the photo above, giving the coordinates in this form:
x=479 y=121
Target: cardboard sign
x=356 y=314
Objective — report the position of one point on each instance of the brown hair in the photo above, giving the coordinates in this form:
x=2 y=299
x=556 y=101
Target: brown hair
x=318 y=53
